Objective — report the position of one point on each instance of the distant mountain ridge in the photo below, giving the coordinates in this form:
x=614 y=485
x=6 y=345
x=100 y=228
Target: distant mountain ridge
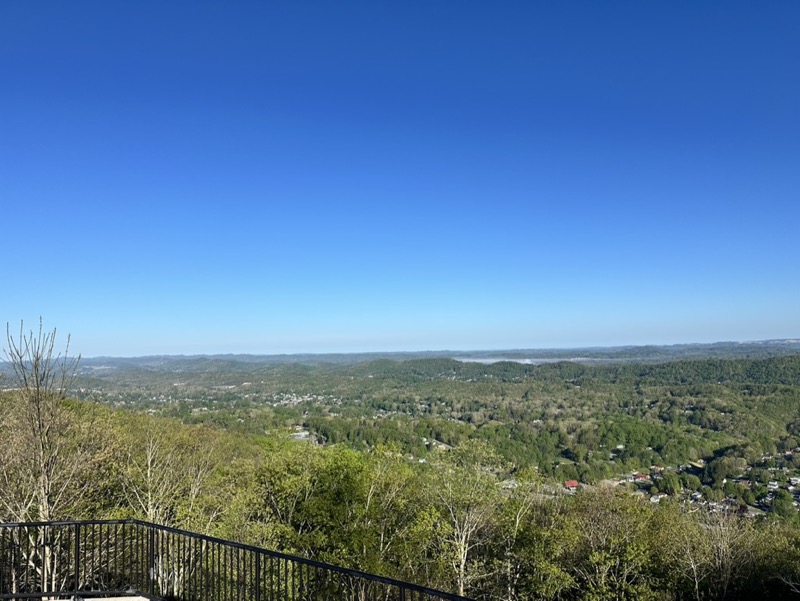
x=630 y=353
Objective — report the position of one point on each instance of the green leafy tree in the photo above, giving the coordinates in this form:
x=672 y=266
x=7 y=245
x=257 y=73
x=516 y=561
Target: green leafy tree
x=782 y=505
x=670 y=483
x=612 y=555
x=530 y=543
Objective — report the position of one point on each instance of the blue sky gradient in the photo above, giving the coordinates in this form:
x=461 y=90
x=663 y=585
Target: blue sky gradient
x=203 y=177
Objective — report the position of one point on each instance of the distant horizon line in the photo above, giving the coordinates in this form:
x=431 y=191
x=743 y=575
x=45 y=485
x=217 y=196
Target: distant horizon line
x=789 y=341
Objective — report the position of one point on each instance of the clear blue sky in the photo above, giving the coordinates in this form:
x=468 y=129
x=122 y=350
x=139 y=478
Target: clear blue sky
x=202 y=177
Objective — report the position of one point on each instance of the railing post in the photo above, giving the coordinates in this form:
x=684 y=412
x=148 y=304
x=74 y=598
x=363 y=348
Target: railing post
x=77 y=557
x=258 y=577
x=151 y=558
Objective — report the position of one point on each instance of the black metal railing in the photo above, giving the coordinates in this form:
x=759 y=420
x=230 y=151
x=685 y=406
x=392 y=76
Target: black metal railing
x=124 y=557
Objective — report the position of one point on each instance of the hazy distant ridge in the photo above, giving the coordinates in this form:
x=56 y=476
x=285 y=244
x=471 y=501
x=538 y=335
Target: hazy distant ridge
x=650 y=353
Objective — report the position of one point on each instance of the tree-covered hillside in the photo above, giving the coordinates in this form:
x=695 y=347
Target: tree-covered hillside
x=568 y=420
x=564 y=480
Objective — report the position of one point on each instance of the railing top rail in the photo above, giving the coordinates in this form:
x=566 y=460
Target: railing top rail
x=276 y=554
x=68 y=523
x=73 y=594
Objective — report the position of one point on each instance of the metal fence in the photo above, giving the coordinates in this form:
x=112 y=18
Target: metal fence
x=120 y=557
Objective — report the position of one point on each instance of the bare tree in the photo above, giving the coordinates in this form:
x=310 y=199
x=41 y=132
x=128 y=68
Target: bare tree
x=41 y=470
x=732 y=541
x=466 y=492
x=164 y=481
x=166 y=476
x=45 y=451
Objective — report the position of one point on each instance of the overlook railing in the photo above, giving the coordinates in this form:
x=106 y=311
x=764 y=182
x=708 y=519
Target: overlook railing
x=127 y=557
